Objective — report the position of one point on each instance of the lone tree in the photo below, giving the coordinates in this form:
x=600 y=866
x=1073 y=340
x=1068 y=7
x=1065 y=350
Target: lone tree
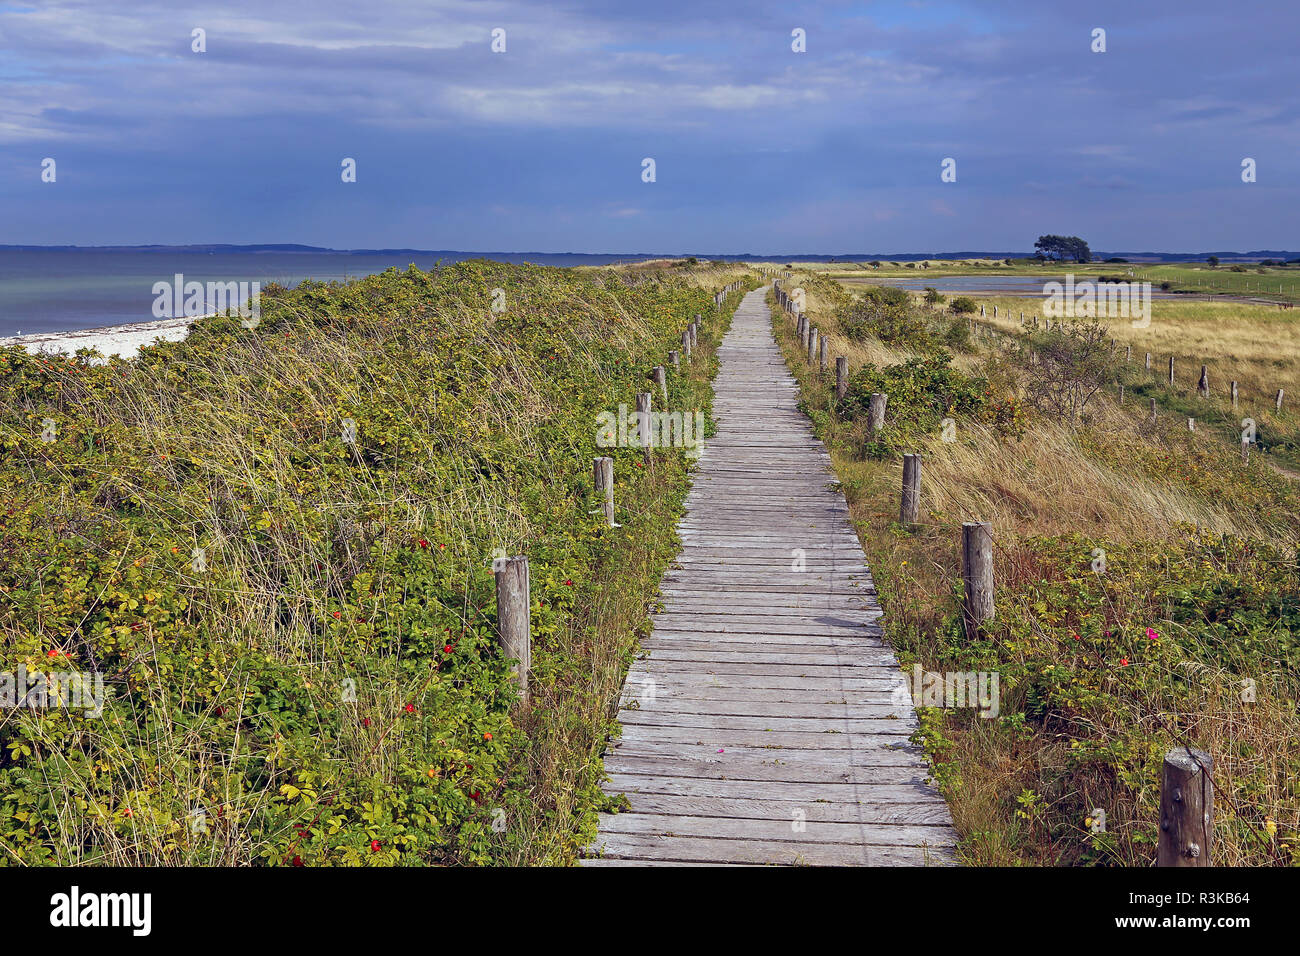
x=1212 y=262
x=1061 y=248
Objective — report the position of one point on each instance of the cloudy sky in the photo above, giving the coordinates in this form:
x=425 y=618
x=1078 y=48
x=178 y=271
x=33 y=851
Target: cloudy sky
x=757 y=148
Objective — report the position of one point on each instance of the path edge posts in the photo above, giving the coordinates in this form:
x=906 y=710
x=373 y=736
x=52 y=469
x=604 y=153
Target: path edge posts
x=514 y=618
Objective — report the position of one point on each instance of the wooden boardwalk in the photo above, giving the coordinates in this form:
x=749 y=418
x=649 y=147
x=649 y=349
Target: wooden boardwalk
x=767 y=721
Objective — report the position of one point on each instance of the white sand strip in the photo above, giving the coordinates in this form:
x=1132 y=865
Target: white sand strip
x=122 y=340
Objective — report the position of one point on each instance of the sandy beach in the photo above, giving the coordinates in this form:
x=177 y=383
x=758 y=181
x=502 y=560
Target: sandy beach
x=124 y=341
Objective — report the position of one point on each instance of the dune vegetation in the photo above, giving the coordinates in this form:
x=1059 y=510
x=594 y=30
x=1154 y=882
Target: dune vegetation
x=275 y=545
x=1147 y=579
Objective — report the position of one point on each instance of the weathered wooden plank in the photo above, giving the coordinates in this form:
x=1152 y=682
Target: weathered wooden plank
x=637 y=847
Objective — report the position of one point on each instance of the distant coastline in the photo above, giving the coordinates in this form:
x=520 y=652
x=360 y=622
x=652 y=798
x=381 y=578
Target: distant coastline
x=609 y=258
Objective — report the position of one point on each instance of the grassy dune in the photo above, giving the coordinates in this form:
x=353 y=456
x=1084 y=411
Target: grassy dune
x=296 y=627
x=1101 y=671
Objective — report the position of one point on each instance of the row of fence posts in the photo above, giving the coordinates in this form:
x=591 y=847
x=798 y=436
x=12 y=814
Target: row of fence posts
x=1202 y=383
x=514 y=603
x=1186 y=790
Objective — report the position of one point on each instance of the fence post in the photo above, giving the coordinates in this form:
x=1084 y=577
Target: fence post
x=1234 y=396
x=693 y=329
x=686 y=341
x=675 y=359
x=1153 y=409
x=812 y=344
x=1121 y=394
x=603 y=478
x=661 y=379
x=1280 y=393
x=821 y=360
x=977 y=574
x=643 y=432
x=1203 y=384
x=1191 y=424
x=513 y=617
x=1186 y=809
x=1148 y=361
x=841 y=377
x=910 y=512
x=876 y=412
x=1128 y=354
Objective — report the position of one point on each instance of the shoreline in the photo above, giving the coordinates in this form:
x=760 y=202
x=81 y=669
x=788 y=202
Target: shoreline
x=122 y=341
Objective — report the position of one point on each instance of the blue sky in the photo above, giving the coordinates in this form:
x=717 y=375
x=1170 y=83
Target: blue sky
x=757 y=148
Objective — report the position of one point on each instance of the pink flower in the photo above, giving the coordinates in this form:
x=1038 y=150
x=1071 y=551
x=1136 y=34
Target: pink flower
x=1151 y=634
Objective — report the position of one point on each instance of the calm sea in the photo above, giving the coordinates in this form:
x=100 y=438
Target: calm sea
x=58 y=290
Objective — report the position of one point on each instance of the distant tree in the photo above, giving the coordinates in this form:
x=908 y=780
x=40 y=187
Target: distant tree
x=962 y=305
x=932 y=296
x=1061 y=248
x=874 y=263
x=1212 y=262
x=1006 y=262
x=1116 y=259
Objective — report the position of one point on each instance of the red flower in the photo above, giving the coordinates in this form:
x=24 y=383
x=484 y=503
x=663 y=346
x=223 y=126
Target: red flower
x=365 y=722
x=568 y=583
x=338 y=615
x=423 y=543
x=297 y=861
x=410 y=708
x=374 y=846
x=474 y=796
x=446 y=649
x=487 y=736
x=442 y=547
x=1123 y=662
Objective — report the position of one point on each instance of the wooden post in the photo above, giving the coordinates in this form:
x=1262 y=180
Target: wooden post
x=821 y=359
x=1203 y=384
x=661 y=379
x=1171 y=370
x=1153 y=409
x=876 y=412
x=1280 y=393
x=813 y=336
x=1234 y=396
x=686 y=341
x=693 y=329
x=603 y=478
x=1128 y=353
x=977 y=574
x=675 y=359
x=643 y=434
x=1186 y=809
x=1148 y=361
x=910 y=512
x=841 y=377
x=1121 y=394
x=1245 y=451
x=514 y=618
x=1191 y=424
